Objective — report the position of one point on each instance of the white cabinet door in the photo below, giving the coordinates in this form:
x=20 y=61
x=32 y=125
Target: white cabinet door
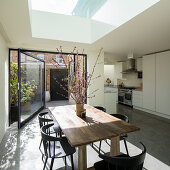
x=163 y=82
x=138 y=99
x=149 y=75
x=118 y=70
x=110 y=102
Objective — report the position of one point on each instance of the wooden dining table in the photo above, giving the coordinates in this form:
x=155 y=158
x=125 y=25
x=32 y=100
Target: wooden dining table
x=97 y=126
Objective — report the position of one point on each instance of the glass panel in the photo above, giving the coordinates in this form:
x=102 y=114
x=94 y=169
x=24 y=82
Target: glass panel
x=32 y=86
x=55 y=71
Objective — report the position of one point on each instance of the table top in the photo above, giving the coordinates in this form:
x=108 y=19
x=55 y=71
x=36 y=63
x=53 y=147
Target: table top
x=97 y=125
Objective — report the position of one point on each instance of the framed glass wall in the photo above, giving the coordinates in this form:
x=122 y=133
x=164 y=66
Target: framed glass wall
x=34 y=79
x=31 y=86
x=55 y=63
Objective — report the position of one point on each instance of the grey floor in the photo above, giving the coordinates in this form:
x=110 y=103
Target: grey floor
x=19 y=149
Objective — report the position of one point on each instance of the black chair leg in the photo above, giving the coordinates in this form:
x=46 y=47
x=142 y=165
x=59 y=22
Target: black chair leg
x=42 y=156
x=52 y=161
x=60 y=134
x=40 y=145
x=100 y=146
x=92 y=144
x=72 y=162
x=45 y=163
x=126 y=146
x=65 y=161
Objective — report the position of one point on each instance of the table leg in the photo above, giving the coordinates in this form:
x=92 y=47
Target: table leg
x=82 y=157
x=115 y=146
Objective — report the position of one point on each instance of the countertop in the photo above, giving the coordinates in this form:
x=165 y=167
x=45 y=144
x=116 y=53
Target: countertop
x=139 y=89
x=111 y=86
x=110 y=89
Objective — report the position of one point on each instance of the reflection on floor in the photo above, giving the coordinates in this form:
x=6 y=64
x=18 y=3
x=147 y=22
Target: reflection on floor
x=19 y=149
x=27 y=112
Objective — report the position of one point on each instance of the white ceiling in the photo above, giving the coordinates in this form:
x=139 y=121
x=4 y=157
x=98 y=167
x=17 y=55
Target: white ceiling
x=148 y=32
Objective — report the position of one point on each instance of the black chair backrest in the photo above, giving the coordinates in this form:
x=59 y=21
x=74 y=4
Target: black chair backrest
x=49 y=141
x=122 y=117
x=100 y=108
x=43 y=120
x=126 y=163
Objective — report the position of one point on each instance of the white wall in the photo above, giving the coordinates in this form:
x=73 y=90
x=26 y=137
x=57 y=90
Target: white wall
x=99 y=29
x=67 y=28
x=3 y=87
x=60 y=27
x=97 y=83
x=109 y=73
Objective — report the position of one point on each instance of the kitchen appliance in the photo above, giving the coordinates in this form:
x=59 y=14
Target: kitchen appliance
x=125 y=95
x=139 y=74
x=129 y=66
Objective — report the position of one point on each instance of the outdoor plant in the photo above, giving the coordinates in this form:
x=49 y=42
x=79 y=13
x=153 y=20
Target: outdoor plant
x=14 y=83
x=27 y=87
x=27 y=91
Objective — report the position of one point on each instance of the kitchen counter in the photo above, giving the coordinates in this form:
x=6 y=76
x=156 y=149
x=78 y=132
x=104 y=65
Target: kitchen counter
x=138 y=89
x=110 y=89
x=111 y=86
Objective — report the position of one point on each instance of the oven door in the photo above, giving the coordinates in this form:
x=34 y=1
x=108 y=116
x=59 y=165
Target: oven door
x=121 y=96
x=128 y=98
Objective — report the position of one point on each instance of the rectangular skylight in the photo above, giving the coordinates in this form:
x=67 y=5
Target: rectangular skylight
x=112 y=12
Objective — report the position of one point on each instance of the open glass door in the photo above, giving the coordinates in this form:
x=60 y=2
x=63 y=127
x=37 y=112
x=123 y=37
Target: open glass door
x=31 y=82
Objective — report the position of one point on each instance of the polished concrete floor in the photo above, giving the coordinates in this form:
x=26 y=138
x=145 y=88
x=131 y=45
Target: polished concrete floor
x=19 y=149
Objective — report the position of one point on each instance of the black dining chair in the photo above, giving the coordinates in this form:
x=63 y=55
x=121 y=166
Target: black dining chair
x=121 y=162
x=100 y=108
x=55 y=147
x=122 y=137
x=45 y=119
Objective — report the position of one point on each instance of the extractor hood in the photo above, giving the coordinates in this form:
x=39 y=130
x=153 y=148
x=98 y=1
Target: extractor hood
x=129 y=66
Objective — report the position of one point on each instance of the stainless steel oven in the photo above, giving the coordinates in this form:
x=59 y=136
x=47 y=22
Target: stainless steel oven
x=128 y=97
x=125 y=96
x=121 y=96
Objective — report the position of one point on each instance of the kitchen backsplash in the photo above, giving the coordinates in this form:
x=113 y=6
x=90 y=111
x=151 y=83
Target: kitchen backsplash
x=131 y=79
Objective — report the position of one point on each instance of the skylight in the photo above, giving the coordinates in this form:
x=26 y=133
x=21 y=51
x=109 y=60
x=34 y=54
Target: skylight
x=112 y=12
x=56 y=6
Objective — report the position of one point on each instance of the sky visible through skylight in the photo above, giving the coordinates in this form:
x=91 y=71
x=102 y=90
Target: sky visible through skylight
x=56 y=6
x=112 y=12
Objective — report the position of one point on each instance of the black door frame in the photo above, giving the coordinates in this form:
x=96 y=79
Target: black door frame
x=25 y=51
x=20 y=124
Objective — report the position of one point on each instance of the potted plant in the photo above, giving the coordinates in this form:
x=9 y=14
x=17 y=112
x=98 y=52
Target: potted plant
x=27 y=91
x=14 y=91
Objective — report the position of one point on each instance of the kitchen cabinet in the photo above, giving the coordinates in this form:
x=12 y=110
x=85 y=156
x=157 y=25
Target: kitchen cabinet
x=119 y=67
x=118 y=70
x=163 y=82
x=139 y=64
x=110 y=100
x=149 y=79
x=137 y=99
